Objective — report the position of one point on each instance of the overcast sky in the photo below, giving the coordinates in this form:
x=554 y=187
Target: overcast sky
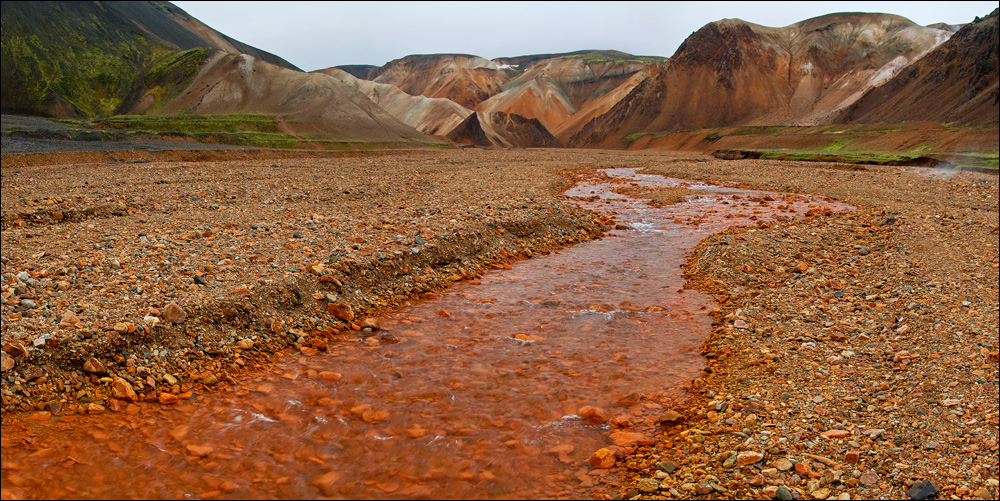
x=317 y=35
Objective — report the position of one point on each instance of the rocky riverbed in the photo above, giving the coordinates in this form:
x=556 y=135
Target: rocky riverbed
x=853 y=355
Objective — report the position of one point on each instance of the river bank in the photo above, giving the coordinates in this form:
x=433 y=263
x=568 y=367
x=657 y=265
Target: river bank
x=852 y=356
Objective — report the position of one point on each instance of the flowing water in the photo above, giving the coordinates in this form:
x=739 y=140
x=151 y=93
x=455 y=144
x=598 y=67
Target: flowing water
x=474 y=394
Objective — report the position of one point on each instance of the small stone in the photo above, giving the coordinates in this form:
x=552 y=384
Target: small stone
x=122 y=390
x=748 y=457
x=983 y=493
x=923 y=489
x=329 y=376
x=209 y=380
x=121 y=328
x=174 y=314
x=602 y=459
x=93 y=408
x=852 y=457
x=803 y=469
x=869 y=478
x=666 y=466
x=69 y=320
x=740 y=324
x=703 y=489
x=821 y=493
x=626 y=438
x=198 y=280
x=6 y=361
x=836 y=434
x=93 y=366
x=671 y=417
x=372 y=323
x=167 y=398
x=245 y=344
x=784 y=493
x=199 y=450
x=756 y=481
x=169 y=379
x=593 y=415
x=782 y=464
x=341 y=311
x=648 y=485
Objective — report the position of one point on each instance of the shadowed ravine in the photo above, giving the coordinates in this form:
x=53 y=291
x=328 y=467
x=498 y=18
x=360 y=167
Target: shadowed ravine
x=474 y=394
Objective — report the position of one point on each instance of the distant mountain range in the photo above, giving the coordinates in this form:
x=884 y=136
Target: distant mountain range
x=90 y=59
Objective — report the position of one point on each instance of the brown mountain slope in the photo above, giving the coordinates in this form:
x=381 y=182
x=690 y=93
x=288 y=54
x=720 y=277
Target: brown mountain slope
x=599 y=105
x=313 y=104
x=503 y=129
x=734 y=72
x=433 y=116
x=554 y=89
x=466 y=80
x=957 y=82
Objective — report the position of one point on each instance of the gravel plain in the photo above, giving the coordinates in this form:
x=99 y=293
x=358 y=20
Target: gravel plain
x=853 y=355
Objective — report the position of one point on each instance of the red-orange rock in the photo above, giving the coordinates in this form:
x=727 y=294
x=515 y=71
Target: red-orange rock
x=593 y=415
x=601 y=459
x=122 y=390
x=341 y=311
x=166 y=399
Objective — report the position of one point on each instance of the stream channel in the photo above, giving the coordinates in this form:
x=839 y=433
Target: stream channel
x=480 y=394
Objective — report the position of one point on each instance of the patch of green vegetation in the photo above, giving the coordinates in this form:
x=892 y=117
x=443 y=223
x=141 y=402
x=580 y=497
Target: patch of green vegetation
x=61 y=59
x=616 y=60
x=758 y=130
x=635 y=135
x=193 y=124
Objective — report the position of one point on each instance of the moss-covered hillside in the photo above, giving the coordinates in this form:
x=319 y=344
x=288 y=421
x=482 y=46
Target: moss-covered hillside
x=72 y=59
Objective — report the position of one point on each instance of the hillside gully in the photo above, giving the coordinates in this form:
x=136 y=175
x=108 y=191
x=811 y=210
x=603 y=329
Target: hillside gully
x=503 y=387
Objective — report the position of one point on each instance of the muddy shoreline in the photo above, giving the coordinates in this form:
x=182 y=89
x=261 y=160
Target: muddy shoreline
x=477 y=209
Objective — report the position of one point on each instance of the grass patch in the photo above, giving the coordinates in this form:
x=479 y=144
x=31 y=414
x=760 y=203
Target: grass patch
x=759 y=130
x=194 y=124
x=616 y=60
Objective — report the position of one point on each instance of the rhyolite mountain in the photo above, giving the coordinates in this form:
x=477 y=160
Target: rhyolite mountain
x=957 y=82
x=94 y=59
x=91 y=59
x=732 y=72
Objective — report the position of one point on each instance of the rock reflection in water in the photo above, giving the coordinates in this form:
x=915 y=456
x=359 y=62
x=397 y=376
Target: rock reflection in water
x=475 y=394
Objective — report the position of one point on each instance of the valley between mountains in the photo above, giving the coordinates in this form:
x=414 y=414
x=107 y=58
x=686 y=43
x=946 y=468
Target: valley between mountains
x=764 y=267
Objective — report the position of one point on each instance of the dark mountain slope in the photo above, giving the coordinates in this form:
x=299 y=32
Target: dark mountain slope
x=956 y=82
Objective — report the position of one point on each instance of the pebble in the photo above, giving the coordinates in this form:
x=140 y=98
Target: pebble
x=122 y=390
x=93 y=366
x=602 y=459
x=671 y=416
x=173 y=313
x=648 y=485
x=784 y=493
x=748 y=457
x=923 y=489
x=869 y=478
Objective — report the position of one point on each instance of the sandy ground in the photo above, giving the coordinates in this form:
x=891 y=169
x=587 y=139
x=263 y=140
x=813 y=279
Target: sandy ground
x=852 y=355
